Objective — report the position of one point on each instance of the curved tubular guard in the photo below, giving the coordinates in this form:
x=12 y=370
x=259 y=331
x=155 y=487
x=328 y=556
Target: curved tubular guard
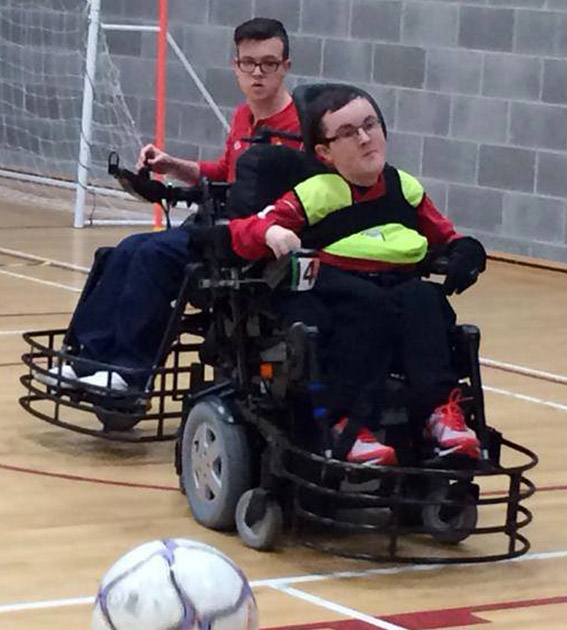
x=152 y=414
x=323 y=494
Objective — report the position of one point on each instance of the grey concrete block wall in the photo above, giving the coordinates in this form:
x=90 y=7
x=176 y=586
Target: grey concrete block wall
x=474 y=93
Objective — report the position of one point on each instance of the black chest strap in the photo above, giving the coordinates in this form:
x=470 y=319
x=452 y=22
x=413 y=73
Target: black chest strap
x=392 y=207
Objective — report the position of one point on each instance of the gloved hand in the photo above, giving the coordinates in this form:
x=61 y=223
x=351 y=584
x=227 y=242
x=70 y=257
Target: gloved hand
x=467 y=259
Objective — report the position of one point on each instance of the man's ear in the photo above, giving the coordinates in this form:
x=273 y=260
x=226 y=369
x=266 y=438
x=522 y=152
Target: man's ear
x=286 y=65
x=323 y=152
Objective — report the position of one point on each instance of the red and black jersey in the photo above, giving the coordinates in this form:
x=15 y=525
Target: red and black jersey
x=248 y=235
x=243 y=125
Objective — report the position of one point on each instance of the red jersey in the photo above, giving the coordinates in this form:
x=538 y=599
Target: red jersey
x=248 y=235
x=243 y=125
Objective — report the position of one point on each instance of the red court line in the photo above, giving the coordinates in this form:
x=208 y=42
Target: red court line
x=452 y=617
x=149 y=486
x=430 y=619
x=534 y=264
x=108 y=482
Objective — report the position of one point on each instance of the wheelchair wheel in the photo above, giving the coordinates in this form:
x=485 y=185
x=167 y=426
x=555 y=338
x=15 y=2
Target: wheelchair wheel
x=259 y=520
x=216 y=464
x=450 y=523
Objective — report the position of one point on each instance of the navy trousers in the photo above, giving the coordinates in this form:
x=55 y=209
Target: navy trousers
x=123 y=319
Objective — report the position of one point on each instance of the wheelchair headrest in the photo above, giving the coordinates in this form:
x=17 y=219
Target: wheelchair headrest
x=305 y=94
x=264 y=173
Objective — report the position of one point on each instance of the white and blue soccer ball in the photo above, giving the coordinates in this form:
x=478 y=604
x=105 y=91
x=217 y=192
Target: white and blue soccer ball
x=174 y=584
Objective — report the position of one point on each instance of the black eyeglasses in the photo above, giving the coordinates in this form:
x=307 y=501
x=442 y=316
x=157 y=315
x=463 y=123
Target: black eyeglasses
x=267 y=66
x=348 y=132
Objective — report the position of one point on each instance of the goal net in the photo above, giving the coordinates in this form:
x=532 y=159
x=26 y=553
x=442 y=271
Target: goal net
x=42 y=73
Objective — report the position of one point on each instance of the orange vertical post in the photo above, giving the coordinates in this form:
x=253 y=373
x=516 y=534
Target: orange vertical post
x=161 y=89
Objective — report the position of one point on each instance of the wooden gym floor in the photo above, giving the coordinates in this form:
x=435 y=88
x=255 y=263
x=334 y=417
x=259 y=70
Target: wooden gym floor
x=70 y=504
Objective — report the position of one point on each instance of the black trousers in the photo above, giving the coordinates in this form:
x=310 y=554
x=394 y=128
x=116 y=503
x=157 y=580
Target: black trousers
x=370 y=324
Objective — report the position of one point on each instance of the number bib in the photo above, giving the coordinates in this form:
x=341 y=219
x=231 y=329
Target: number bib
x=304 y=270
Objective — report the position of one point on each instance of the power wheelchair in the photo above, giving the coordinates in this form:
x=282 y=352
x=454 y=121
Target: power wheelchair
x=249 y=450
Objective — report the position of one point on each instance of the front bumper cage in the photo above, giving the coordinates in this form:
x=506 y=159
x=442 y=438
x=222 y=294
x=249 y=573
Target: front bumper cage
x=147 y=414
x=397 y=503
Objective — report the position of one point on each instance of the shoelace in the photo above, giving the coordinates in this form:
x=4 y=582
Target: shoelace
x=451 y=412
x=364 y=435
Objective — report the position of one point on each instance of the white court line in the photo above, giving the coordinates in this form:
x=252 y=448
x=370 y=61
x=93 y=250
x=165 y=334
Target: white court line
x=350 y=613
x=47 y=261
x=532 y=399
x=508 y=367
x=297 y=579
x=39 y=281
x=524 y=371
x=53 y=603
x=517 y=369
x=486 y=388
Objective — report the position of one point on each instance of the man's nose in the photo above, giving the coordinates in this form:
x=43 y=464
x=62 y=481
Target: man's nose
x=257 y=70
x=363 y=135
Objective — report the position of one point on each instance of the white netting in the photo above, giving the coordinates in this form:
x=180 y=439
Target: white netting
x=42 y=53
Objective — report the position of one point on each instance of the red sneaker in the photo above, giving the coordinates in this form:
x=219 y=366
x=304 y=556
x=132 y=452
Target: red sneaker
x=367 y=449
x=447 y=426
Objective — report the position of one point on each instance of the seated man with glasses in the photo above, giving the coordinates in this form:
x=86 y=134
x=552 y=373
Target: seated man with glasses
x=261 y=64
x=373 y=225
x=122 y=320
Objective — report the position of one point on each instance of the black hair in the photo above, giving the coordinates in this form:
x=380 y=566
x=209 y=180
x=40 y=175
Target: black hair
x=259 y=29
x=331 y=99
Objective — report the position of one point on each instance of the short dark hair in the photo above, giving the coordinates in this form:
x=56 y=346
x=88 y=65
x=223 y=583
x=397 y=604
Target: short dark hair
x=332 y=99
x=260 y=28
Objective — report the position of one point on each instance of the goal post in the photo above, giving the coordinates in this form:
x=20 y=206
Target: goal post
x=161 y=89
x=84 y=162
x=94 y=29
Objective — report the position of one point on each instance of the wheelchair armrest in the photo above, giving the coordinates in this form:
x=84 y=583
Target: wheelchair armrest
x=435 y=262
x=465 y=339
x=102 y=252
x=142 y=186
x=466 y=335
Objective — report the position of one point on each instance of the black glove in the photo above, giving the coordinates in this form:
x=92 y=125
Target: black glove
x=467 y=259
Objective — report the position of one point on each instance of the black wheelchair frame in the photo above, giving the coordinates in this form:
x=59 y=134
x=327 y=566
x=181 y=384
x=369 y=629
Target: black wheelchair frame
x=277 y=482
x=272 y=480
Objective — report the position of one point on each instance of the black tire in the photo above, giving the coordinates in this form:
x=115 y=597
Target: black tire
x=216 y=464
x=450 y=523
x=264 y=532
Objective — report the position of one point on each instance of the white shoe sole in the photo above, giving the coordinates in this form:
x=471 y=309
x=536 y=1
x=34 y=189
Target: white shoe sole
x=54 y=377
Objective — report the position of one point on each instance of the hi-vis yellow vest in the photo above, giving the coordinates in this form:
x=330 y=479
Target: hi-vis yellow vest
x=383 y=229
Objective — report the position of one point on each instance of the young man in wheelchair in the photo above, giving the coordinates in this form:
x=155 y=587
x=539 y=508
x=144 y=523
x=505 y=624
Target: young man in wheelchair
x=373 y=225
x=121 y=321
